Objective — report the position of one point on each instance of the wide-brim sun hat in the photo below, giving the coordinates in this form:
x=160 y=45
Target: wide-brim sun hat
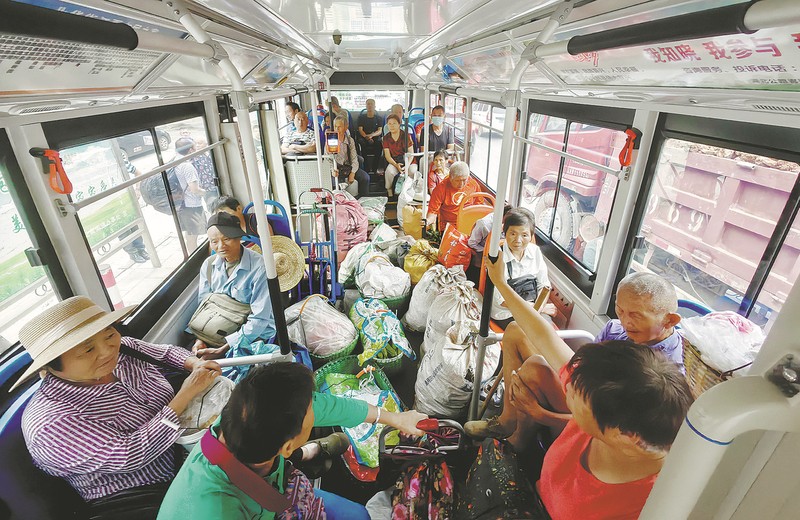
x=61 y=328
x=289 y=262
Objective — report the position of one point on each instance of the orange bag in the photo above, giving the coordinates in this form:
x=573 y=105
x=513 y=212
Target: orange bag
x=454 y=249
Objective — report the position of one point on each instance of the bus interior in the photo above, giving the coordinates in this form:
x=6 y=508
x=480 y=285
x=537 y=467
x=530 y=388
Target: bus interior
x=644 y=135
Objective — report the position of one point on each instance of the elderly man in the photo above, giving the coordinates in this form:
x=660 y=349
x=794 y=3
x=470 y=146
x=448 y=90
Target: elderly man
x=441 y=136
x=447 y=196
x=369 y=136
x=301 y=140
x=647 y=308
x=338 y=110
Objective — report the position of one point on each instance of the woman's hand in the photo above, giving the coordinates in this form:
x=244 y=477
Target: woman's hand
x=496 y=270
x=549 y=309
x=203 y=374
x=406 y=422
x=198 y=345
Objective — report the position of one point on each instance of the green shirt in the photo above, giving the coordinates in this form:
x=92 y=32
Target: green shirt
x=202 y=491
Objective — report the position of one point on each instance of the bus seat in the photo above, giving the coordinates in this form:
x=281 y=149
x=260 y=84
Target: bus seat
x=279 y=221
x=25 y=490
x=689 y=308
x=469 y=215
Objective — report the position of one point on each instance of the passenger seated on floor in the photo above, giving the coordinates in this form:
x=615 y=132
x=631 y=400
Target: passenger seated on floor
x=439 y=170
x=369 y=136
x=523 y=259
x=347 y=163
x=441 y=136
x=103 y=420
x=239 y=273
x=395 y=145
x=269 y=414
x=300 y=140
x=445 y=199
x=624 y=402
x=646 y=304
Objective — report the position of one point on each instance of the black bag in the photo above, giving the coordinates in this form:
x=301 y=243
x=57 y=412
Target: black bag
x=497 y=488
x=154 y=192
x=527 y=286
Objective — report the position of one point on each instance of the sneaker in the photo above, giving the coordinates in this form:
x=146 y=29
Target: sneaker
x=138 y=258
x=491 y=428
x=334 y=444
x=143 y=253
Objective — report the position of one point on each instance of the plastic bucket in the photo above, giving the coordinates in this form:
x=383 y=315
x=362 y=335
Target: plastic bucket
x=188 y=441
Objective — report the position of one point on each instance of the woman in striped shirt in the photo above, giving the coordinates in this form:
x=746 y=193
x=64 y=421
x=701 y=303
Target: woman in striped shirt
x=103 y=419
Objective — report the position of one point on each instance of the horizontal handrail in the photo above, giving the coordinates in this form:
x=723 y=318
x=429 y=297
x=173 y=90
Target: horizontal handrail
x=566 y=155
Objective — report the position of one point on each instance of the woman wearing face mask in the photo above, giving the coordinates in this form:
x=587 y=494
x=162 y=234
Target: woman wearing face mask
x=522 y=258
x=441 y=137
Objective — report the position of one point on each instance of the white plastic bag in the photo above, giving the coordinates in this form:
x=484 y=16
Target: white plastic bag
x=406 y=195
x=347 y=269
x=446 y=373
x=725 y=340
x=383 y=232
x=461 y=304
x=376 y=277
x=206 y=406
x=322 y=329
x=436 y=280
x=375 y=208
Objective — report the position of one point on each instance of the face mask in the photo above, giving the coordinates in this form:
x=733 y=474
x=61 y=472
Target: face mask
x=437 y=120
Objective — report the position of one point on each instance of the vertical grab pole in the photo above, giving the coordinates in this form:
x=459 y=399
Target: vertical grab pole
x=426 y=128
x=510 y=101
x=241 y=104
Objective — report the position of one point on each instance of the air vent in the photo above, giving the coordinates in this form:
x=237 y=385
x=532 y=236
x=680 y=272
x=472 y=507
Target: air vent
x=366 y=53
x=38 y=108
x=777 y=108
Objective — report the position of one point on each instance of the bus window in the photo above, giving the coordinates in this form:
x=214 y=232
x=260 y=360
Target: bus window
x=710 y=214
x=356 y=100
x=24 y=290
x=262 y=170
x=454 y=111
x=486 y=141
x=572 y=199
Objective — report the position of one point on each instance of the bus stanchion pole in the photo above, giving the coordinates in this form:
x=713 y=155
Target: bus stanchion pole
x=241 y=103
x=510 y=100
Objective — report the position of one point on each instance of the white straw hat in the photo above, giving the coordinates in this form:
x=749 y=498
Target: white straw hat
x=61 y=328
x=290 y=262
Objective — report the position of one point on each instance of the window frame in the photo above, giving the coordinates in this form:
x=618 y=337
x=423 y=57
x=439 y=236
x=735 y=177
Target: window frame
x=490 y=129
x=753 y=138
x=612 y=118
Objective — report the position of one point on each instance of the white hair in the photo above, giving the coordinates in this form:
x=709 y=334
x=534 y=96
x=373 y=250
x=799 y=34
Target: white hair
x=459 y=170
x=663 y=297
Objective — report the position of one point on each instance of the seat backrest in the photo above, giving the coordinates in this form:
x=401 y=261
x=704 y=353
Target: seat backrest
x=25 y=490
x=279 y=221
x=468 y=215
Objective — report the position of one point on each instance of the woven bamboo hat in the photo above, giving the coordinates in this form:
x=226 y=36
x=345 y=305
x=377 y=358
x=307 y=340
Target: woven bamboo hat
x=289 y=262
x=61 y=328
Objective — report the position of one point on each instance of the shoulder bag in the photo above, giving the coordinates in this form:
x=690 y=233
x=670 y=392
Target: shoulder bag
x=217 y=316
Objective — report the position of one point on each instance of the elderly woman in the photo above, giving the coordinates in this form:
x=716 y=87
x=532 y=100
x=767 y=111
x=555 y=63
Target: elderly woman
x=238 y=273
x=104 y=418
x=395 y=145
x=347 y=169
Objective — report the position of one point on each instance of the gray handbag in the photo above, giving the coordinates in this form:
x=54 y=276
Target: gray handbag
x=217 y=316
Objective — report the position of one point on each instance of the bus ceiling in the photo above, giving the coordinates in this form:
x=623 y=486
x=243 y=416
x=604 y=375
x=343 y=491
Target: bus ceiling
x=149 y=52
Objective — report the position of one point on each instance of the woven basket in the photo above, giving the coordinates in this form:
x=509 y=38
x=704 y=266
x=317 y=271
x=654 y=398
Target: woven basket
x=321 y=360
x=389 y=365
x=349 y=365
x=699 y=375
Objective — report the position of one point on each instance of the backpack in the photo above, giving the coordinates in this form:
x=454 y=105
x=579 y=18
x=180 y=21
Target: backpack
x=155 y=194
x=424 y=492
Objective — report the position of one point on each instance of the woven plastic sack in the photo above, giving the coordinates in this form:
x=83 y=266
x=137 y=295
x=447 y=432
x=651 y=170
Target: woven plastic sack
x=364 y=437
x=347 y=269
x=412 y=220
x=461 y=304
x=383 y=233
x=374 y=208
x=454 y=248
x=314 y=323
x=421 y=258
x=256 y=348
x=396 y=249
x=351 y=223
x=376 y=277
x=447 y=372
x=436 y=281
x=380 y=331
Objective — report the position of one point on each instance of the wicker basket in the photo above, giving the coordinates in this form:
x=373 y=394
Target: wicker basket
x=349 y=365
x=321 y=360
x=389 y=365
x=699 y=375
